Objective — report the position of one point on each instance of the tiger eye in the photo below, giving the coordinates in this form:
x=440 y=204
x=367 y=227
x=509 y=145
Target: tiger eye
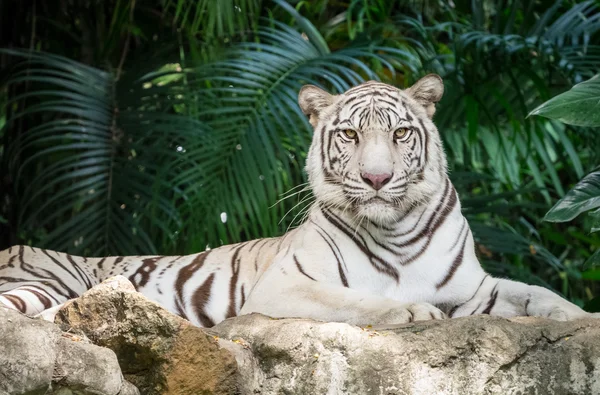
x=350 y=133
x=399 y=133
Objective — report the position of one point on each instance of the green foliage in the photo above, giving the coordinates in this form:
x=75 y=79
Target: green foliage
x=138 y=127
x=583 y=197
x=214 y=19
x=579 y=106
x=90 y=177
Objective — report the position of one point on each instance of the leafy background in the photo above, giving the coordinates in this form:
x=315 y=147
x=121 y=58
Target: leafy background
x=143 y=127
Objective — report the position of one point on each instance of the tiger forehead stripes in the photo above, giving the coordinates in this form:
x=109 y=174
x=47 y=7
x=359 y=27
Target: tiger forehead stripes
x=385 y=241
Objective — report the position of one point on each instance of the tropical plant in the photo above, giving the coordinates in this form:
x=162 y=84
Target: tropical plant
x=579 y=106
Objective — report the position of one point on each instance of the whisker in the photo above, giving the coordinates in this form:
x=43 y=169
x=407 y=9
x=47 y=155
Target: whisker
x=303 y=184
x=306 y=188
x=303 y=200
x=303 y=211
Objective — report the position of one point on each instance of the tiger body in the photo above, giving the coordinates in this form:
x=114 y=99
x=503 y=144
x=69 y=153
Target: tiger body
x=198 y=287
x=385 y=242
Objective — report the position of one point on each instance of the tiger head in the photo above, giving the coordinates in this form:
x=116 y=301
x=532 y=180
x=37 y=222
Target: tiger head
x=375 y=152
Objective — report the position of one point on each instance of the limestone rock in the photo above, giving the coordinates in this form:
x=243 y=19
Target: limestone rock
x=159 y=352
x=36 y=357
x=473 y=355
x=81 y=367
x=27 y=353
x=162 y=353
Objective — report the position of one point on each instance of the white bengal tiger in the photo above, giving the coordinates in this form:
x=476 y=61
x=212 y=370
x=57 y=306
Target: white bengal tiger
x=384 y=243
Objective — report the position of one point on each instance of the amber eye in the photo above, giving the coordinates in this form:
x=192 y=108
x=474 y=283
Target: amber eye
x=402 y=132
x=351 y=134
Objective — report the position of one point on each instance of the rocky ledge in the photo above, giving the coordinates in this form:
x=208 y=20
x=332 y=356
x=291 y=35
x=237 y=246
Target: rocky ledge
x=114 y=341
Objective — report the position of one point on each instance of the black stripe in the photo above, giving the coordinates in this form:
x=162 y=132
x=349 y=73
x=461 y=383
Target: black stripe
x=356 y=106
x=258 y=253
x=31 y=270
x=80 y=271
x=425 y=143
x=42 y=298
x=462 y=228
x=427 y=228
x=36 y=281
x=243 y=297
x=17 y=302
x=380 y=226
x=430 y=230
x=255 y=243
x=118 y=260
x=10 y=263
x=380 y=244
x=370 y=87
x=376 y=261
x=167 y=267
x=235 y=271
x=455 y=264
x=492 y=301
x=200 y=299
x=398 y=186
x=350 y=100
x=323 y=146
x=144 y=270
x=357 y=109
x=184 y=274
x=453 y=310
x=338 y=254
x=389 y=103
x=363 y=117
x=300 y=268
x=71 y=294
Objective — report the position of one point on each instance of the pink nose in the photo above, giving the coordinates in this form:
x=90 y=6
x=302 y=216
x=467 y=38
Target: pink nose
x=377 y=181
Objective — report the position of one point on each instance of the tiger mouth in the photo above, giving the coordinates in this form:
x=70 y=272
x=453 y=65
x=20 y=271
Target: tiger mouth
x=375 y=200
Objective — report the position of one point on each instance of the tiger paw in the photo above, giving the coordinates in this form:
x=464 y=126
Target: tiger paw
x=563 y=311
x=406 y=313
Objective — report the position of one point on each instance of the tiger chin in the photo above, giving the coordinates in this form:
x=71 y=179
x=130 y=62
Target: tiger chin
x=384 y=243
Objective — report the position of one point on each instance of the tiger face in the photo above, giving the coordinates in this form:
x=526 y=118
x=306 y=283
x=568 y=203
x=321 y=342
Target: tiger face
x=375 y=151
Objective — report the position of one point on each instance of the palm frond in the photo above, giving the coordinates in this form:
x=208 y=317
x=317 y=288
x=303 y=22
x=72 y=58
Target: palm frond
x=90 y=172
x=223 y=18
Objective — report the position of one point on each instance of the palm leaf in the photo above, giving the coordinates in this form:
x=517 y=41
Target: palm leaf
x=88 y=171
x=215 y=19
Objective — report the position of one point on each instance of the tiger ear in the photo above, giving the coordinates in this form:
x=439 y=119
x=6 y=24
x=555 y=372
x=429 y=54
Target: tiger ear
x=427 y=91
x=312 y=101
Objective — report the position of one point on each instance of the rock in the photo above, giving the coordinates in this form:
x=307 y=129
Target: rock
x=80 y=367
x=472 y=355
x=36 y=357
x=128 y=389
x=159 y=352
x=162 y=353
x=27 y=353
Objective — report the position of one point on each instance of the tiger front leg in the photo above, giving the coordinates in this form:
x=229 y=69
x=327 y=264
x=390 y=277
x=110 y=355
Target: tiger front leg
x=326 y=302
x=508 y=298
